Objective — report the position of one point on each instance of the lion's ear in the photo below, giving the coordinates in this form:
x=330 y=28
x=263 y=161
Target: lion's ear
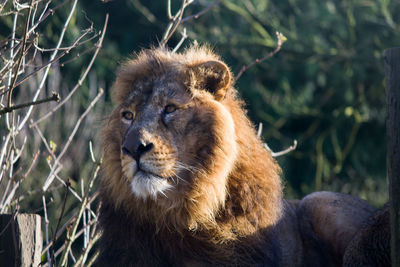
x=213 y=76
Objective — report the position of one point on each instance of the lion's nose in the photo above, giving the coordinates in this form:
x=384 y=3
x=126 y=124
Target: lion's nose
x=135 y=147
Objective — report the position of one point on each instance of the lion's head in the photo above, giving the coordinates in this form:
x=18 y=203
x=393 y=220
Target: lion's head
x=172 y=142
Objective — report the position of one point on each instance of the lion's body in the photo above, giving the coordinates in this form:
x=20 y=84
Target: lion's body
x=186 y=180
x=371 y=245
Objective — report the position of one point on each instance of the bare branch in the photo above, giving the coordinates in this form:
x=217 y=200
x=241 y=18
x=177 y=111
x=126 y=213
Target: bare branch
x=275 y=154
x=4 y=202
x=50 y=62
x=45 y=14
x=283 y=152
x=93 y=259
x=197 y=15
x=21 y=56
x=82 y=259
x=54 y=97
x=174 y=22
x=169 y=15
x=72 y=236
x=75 y=44
x=70 y=221
x=281 y=40
x=59 y=220
x=51 y=176
x=184 y=36
x=98 y=47
x=46 y=220
x=21 y=59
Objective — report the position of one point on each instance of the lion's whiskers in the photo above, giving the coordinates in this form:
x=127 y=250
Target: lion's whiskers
x=175 y=174
x=181 y=166
x=191 y=169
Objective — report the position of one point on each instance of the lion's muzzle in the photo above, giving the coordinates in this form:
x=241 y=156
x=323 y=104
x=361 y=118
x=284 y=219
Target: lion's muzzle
x=147 y=162
x=135 y=145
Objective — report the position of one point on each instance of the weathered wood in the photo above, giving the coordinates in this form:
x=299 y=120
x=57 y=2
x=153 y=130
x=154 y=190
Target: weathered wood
x=392 y=72
x=20 y=240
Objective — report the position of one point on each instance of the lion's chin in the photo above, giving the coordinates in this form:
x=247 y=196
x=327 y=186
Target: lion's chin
x=145 y=185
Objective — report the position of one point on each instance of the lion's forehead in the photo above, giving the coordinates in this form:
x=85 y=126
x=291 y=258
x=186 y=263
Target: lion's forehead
x=158 y=92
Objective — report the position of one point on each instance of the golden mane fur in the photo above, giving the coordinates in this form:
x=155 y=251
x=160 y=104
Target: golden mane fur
x=255 y=175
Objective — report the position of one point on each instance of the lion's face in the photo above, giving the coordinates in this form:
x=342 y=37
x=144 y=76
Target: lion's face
x=172 y=134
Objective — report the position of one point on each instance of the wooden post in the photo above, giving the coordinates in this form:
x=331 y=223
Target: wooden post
x=20 y=240
x=392 y=73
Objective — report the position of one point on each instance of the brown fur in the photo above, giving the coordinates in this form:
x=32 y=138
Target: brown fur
x=371 y=245
x=224 y=206
x=331 y=220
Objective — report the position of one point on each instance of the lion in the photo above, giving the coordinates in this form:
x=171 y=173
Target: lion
x=186 y=181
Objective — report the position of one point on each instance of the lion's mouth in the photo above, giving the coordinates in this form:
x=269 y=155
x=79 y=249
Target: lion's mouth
x=144 y=183
x=143 y=174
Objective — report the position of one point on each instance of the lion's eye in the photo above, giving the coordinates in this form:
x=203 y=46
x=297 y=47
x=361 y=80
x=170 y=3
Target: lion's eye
x=127 y=115
x=170 y=109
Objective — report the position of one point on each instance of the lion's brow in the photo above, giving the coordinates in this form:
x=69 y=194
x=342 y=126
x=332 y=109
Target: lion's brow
x=146 y=94
x=170 y=93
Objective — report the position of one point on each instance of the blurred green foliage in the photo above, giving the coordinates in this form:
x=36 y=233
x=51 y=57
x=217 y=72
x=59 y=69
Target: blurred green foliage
x=325 y=88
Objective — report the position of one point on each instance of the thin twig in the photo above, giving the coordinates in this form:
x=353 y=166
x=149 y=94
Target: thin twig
x=51 y=176
x=68 y=222
x=260 y=128
x=72 y=235
x=21 y=56
x=78 y=55
x=98 y=46
x=4 y=202
x=74 y=45
x=49 y=12
x=77 y=235
x=169 y=14
x=4 y=154
x=7 y=68
x=283 y=152
x=82 y=259
x=275 y=154
x=93 y=259
x=51 y=152
x=184 y=36
x=10 y=196
x=59 y=221
x=205 y=10
x=12 y=55
x=50 y=62
x=54 y=97
x=174 y=21
x=46 y=220
x=91 y=151
x=85 y=234
x=46 y=72
x=281 y=40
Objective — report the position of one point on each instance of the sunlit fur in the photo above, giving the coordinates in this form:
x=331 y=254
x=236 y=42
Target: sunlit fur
x=208 y=193
x=232 y=193
x=209 y=189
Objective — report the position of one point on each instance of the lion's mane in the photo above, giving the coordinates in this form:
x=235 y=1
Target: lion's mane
x=214 y=211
